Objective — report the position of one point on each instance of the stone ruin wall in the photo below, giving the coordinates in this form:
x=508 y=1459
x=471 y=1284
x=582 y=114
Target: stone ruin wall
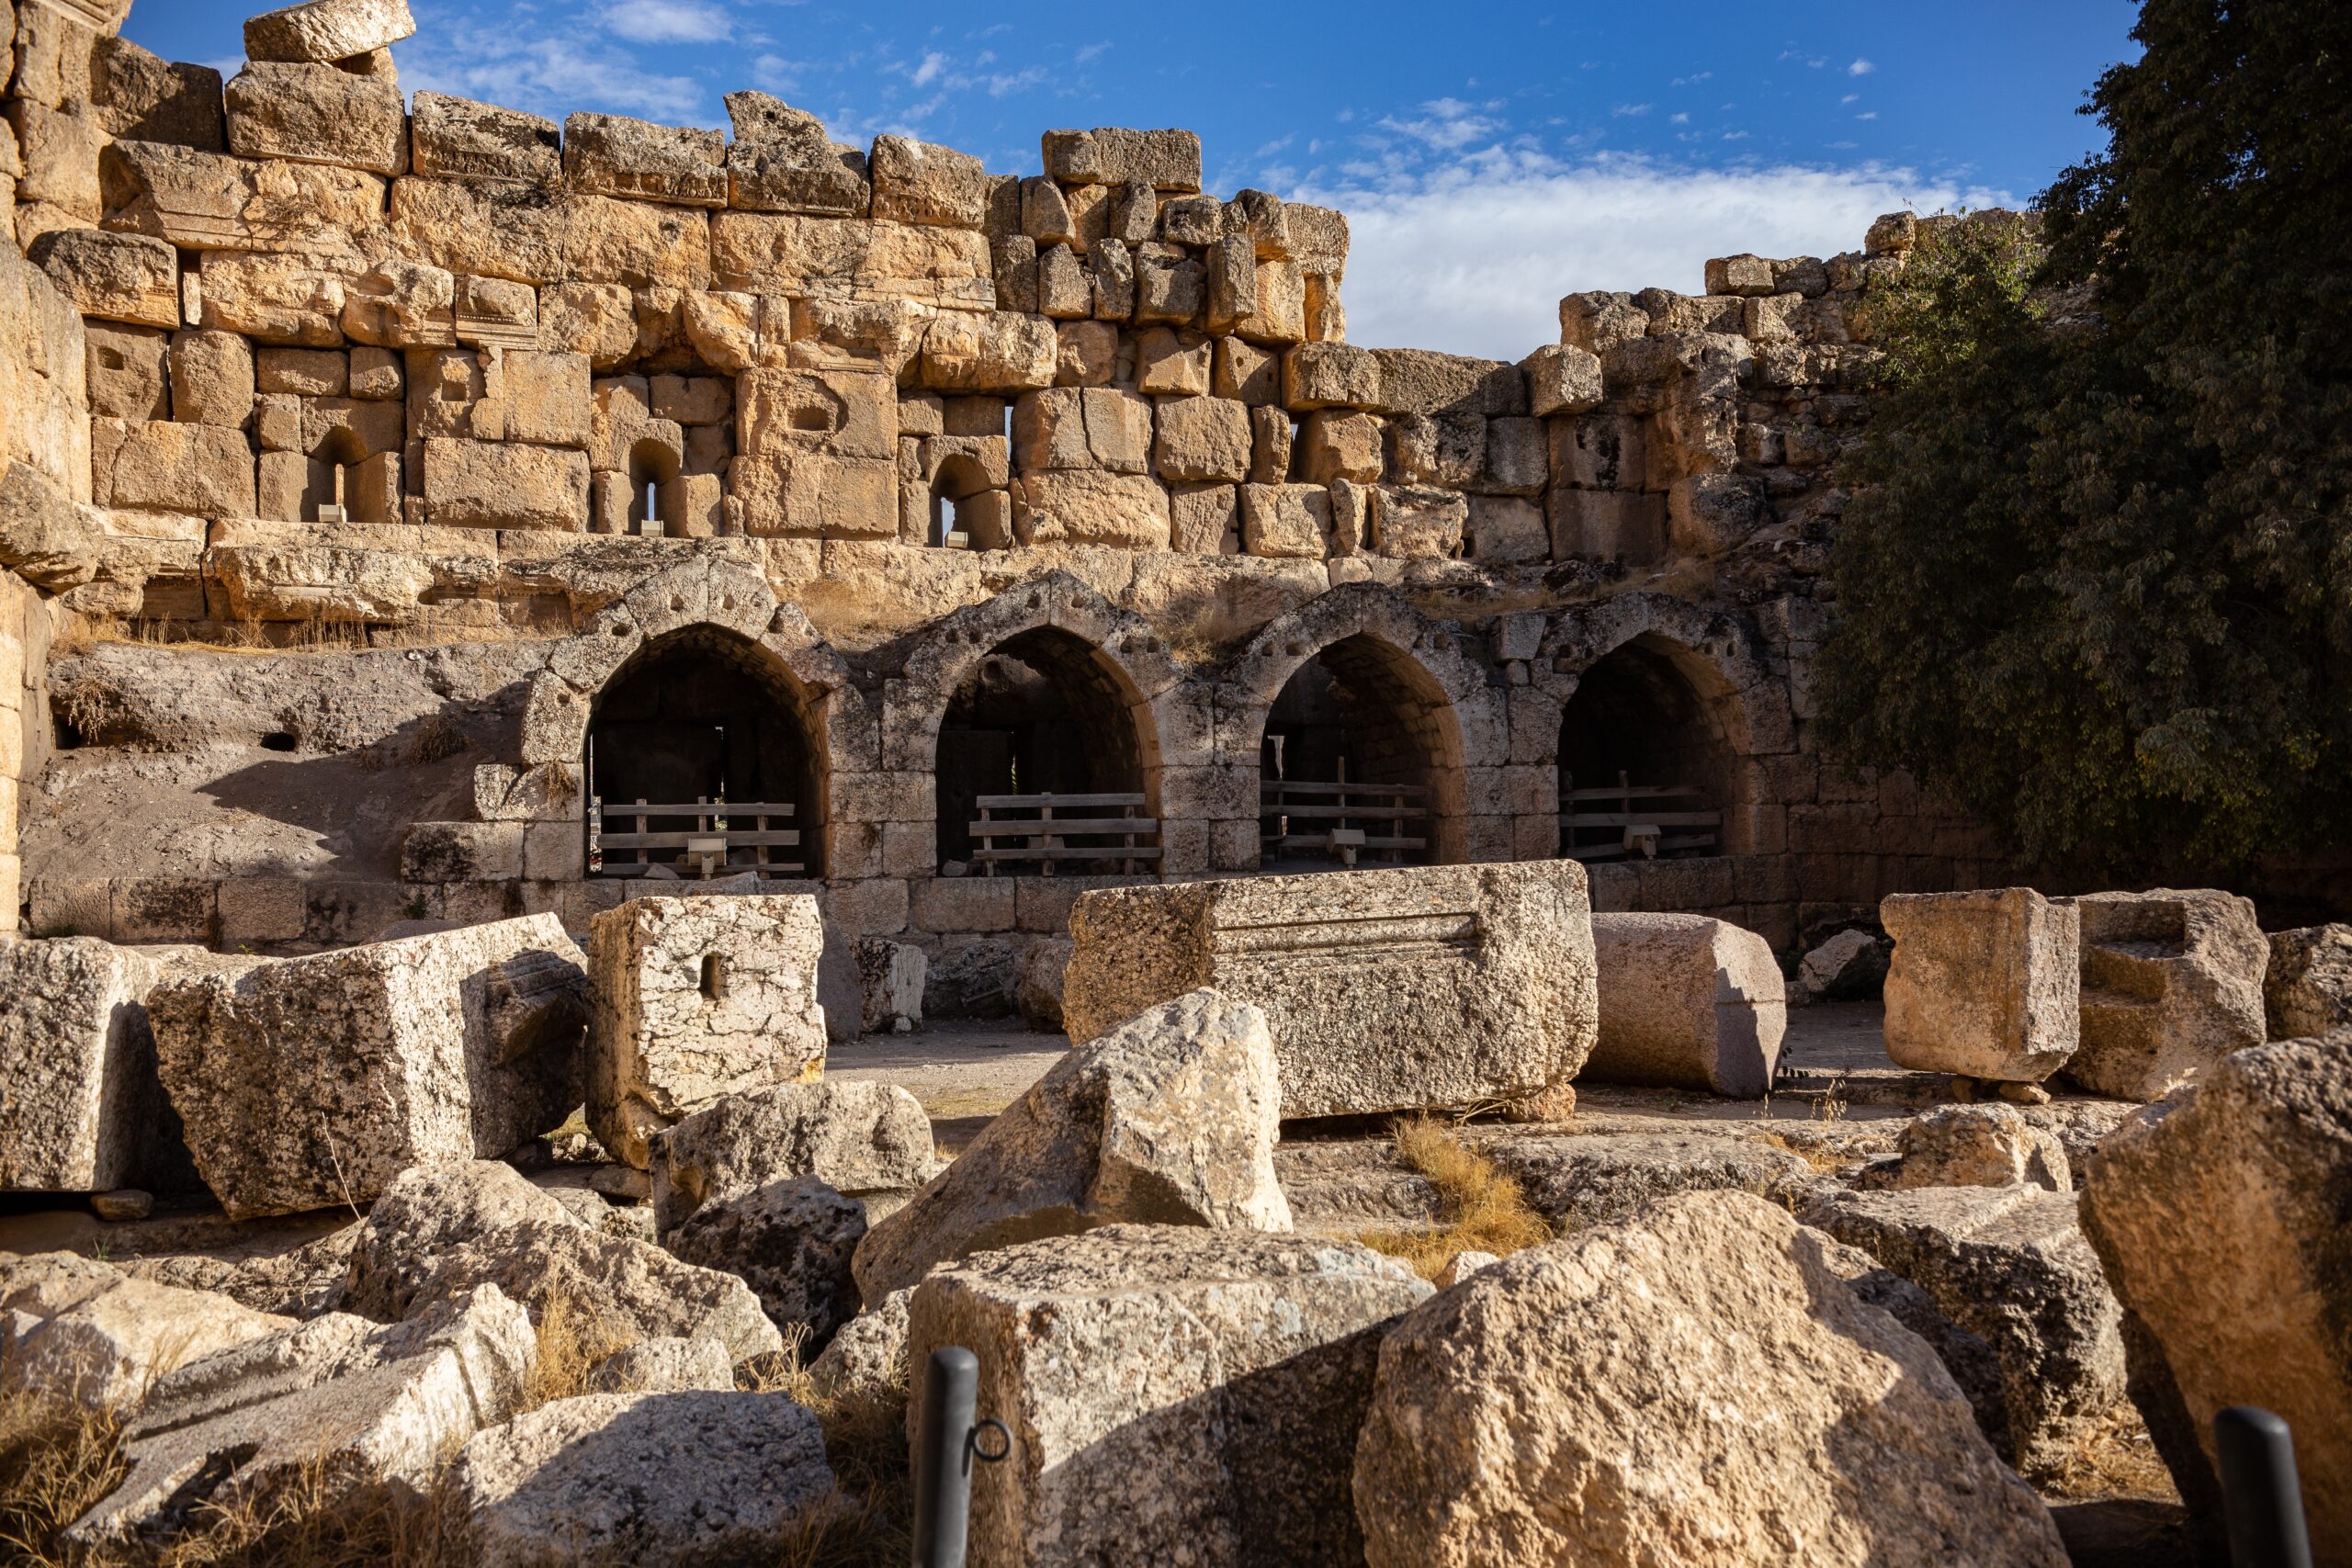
x=580 y=390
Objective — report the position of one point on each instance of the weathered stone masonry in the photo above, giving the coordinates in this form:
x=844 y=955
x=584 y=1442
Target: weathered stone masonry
x=473 y=419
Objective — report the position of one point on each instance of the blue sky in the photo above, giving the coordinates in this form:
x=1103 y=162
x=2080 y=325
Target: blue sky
x=1490 y=164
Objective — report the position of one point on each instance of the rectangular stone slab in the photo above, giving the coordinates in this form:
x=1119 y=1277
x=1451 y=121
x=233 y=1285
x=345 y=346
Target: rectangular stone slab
x=1386 y=991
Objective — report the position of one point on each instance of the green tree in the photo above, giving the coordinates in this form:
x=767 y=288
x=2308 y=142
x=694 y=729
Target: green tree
x=2096 y=580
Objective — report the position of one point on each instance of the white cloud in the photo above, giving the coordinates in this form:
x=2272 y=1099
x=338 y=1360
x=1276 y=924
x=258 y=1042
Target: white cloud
x=1624 y=109
x=1679 y=120
x=1089 y=53
x=1850 y=97
x=667 y=21
x=1872 y=115
x=928 y=71
x=1860 y=68
x=1474 y=258
x=515 y=64
x=1447 y=124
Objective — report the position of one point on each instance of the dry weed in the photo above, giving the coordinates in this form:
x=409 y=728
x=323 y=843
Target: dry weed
x=57 y=1460
x=2113 y=1457
x=1481 y=1206
x=573 y=1340
x=865 y=1443
x=1818 y=1155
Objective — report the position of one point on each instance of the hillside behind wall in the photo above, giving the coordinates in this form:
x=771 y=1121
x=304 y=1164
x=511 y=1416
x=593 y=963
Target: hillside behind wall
x=367 y=373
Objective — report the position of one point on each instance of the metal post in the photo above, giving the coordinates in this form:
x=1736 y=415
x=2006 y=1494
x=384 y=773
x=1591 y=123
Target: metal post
x=2259 y=1490
x=943 y=1468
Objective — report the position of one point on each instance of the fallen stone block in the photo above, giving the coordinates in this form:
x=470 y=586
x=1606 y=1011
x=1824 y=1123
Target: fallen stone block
x=1498 y=1431
x=81 y=1332
x=1971 y=1361
x=1037 y=982
x=1983 y=985
x=2171 y=983
x=1981 y=1146
x=971 y=979
x=328 y=29
x=867 y=1359
x=1685 y=1002
x=696 y=999
x=665 y=1366
x=712 y=1478
x=428 y=1210
x=791 y=1241
x=81 y=1108
x=1384 y=990
x=337 y=1410
x=1849 y=966
x=1181 y=1394
x=2218 y=1214
x=314 y=1081
x=2307 y=990
x=1169 y=1119
x=865 y=1140
x=2011 y=1266
x=890 y=984
x=1587 y=1178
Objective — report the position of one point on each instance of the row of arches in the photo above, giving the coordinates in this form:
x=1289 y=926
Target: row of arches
x=1051 y=751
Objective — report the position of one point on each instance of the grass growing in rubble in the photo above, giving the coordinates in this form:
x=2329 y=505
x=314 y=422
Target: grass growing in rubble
x=1481 y=1206
x=865 y=1443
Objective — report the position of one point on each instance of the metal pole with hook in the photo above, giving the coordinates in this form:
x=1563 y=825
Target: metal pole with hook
x=2260 y=1492
x=946 y=1443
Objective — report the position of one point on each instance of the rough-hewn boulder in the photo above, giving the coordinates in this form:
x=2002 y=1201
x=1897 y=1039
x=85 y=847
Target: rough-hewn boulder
x=696 y=999
x=1685 y=1002
x=1037 y=982
x=665 y=1366
x=890 y=984
x=868 y=1357
x=75 y=1330
x=1982 y=983
x=2307 y=990
x=709 y=1478
x=1177 y=1395
x=428 y=1210
x=791 y=1242
x=1695 y=1385
x=2219 y=1214
x=2172 y=982
x=2011 y=1267
x=306 y=1082
x=338 y=1404
x=80 y=1104
x=328 y=29
x=862 y=1139
x=1170 y=1119
x=1981 y=1146
x=1385 y=990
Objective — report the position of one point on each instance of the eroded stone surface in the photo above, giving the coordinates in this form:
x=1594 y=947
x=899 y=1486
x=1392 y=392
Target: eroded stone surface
x=1685 y=1002
x=859 y=1138
x=1384 y=990
x=1984 y=985
x=2172 y=982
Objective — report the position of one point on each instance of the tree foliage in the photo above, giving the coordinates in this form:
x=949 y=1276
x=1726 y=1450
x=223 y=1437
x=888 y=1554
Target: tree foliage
x=2096 y=580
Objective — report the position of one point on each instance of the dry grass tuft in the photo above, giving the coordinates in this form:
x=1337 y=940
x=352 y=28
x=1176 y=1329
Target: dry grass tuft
x=865 y=1443
x=56 y=1461
x=573 y=1340
x=1818 y=1154
x=1481 y=1206
x=2113 y=1457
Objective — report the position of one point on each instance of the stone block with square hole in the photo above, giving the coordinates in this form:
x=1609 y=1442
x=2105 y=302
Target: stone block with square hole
x=697 y=999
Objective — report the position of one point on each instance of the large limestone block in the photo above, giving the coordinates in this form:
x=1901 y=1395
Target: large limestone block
x=426 y=1211
x=1685 y=1002
x=44 y=537
x=1419 y=523
x=665 y=1366
x=2011 y=1266
x=491 y=484
x=458 y=137
x=328 y=29
x=1128 y=511
x=999 y=351
x=1202 y=439
x=520 y=231
x=209 y=201
x=118 y=278
x=782 y=161
x=606 y=154
x=1177 y=1395
x=2307 y=990
x=859 y=1138
x=696 y=999
x=2218 y=1215
x=1694 y=1385
x=318 y=113
x=283 y=299
x=915 y=182
x=314 y=1081
x=1385 y=990
x=659 y=1480
x=201 y=468
x=338 y=1408
x=1982 y=983
x=2171 y=983
x=1981 y=1146
x=81 y=1109
x=1169 y=1119
x=791 y=1241
x=1165 y=159
x=82 y=1333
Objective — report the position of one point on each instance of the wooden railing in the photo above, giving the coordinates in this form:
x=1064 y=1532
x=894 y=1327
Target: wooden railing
x=704 y=848
x=1343 y=820
x=1038 y=835
x=1640 y=822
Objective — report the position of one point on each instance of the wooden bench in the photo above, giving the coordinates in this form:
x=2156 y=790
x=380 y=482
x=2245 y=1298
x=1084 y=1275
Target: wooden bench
x=1340 y=819
x=1640 y=820
x=1041 y=831
x=747 y=826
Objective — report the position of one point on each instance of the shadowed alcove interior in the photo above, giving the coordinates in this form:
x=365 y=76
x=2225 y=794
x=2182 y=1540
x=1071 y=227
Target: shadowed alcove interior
x=1360 y=741
x=1644 y=746
x=704 y=715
